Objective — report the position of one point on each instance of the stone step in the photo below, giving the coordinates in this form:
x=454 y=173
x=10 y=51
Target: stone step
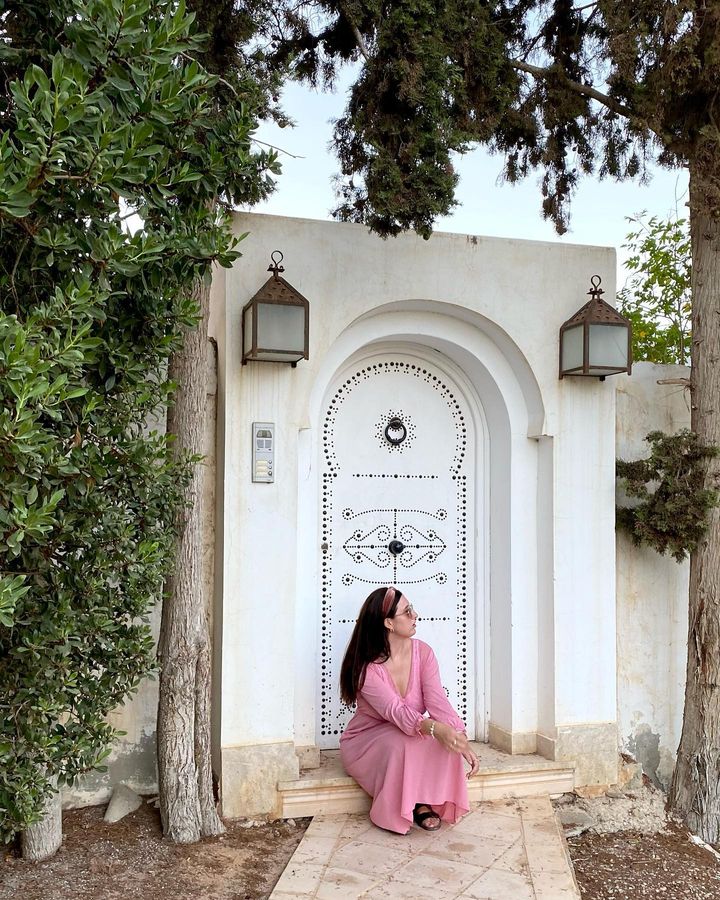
x=328 y=790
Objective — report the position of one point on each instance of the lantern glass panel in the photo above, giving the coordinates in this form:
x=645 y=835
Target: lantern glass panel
x=572 y=348
x=281 y=327
x=247 y=330
x=608 y=347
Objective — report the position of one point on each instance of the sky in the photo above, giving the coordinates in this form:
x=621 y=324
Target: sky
x=486 y=207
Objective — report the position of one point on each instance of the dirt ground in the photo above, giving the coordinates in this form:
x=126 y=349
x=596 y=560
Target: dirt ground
x=632 y=848
x=629 y=865
x=130 y=861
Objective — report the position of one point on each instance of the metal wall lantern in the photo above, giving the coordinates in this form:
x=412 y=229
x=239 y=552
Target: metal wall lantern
x=597 y=340
x=275 y=322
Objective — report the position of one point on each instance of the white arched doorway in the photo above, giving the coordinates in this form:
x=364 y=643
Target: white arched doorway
x=479 y=366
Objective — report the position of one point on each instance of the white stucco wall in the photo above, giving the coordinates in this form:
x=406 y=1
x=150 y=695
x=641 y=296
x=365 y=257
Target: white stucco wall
x=652 y=590
x=491 y=304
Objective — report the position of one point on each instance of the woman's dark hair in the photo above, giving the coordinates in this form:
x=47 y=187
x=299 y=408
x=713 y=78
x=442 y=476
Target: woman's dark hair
x=369 y=643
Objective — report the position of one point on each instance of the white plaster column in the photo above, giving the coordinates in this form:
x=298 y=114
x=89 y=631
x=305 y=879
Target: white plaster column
x=584 y=622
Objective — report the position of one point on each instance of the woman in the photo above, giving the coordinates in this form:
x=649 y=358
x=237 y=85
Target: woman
x=410 y=764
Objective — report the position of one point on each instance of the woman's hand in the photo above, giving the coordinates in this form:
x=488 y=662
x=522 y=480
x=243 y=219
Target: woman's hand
x=453 y=741
x=472 y=760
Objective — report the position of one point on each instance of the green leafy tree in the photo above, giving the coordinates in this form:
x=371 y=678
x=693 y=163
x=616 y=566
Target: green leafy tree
x=104 y=115
x=84 y=542
x=568 y=91
x=656 y=297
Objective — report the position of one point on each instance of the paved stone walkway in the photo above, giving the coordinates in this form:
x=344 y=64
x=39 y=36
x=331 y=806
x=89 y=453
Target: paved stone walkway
x=502 y=850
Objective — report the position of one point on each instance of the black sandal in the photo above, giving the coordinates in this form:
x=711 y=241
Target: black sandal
x=420 y=818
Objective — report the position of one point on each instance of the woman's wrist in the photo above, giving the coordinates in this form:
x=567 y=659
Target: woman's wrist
x=428 y=727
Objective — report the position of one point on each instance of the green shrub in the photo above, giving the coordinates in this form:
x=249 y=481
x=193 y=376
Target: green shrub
x=105 y=116
x=671 y=502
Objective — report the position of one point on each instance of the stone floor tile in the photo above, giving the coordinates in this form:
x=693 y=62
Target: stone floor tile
x=401 y=890
x=415 y=841
x=509 y=807
x=468 y=849
x=552 y=864
x=282 y=895
x=355 y=826
x=497 y=884
x=369 y=859
x=300 y=878
x=315 y=849
x=547 y=855
x=539 y=831
x=557 y=894
x=555 y=886
x=486 y=824
x=327 y=826
x=514 y=859
x=429 y=872
x=343 y=884
x=537 y=808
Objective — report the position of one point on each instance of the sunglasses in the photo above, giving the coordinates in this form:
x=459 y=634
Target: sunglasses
x=409 y=612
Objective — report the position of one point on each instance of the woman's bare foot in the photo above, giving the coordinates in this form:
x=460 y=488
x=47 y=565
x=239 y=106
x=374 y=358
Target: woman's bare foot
x=424 y=817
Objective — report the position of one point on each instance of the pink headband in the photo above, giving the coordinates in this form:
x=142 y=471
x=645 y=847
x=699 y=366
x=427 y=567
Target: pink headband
x=388 y=600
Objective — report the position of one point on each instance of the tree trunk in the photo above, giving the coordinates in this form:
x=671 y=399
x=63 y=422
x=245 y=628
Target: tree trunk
x=187 y=806
x=43 y=840
x=695 y=789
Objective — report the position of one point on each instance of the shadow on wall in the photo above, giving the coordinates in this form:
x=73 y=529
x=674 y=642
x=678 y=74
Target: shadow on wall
x=132 y=764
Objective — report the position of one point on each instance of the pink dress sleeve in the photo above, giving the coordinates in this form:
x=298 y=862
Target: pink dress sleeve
x=387 y=703
x=436 y=701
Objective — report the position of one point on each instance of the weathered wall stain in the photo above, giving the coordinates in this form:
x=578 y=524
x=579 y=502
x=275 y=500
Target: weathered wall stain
x=645 y=747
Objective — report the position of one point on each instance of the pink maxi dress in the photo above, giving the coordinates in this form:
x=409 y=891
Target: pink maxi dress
x=383 y=750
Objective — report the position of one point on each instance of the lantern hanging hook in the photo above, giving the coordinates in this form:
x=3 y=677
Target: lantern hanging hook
x=275 y=266
x=595 y=290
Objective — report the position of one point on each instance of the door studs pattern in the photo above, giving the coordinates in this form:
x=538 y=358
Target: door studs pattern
x=409 y=370
x=402 y=545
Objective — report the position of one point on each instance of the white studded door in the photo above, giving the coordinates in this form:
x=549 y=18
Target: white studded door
x=397 y=505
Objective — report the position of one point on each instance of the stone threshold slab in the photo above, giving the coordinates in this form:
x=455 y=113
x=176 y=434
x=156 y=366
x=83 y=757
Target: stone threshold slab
x=328 y=790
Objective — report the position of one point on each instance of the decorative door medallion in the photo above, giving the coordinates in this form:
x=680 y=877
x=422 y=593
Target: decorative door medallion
x=398 y=455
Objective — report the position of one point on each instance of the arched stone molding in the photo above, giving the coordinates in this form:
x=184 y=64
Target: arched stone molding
x=509 y=413
x=521 y=369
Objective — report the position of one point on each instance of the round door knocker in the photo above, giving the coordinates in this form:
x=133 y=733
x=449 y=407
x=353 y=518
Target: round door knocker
x=396 y=547
x=395 y=431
